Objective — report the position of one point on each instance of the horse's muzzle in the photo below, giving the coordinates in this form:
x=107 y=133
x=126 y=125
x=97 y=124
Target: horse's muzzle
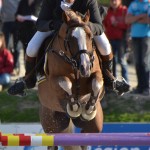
x=84 y=72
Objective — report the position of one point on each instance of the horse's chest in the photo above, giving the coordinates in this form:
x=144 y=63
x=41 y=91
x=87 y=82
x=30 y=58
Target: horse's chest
x=53 y=96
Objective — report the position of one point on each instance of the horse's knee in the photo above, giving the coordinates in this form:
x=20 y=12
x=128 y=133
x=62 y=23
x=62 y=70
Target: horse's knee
x=97 y=86
x=65 y=84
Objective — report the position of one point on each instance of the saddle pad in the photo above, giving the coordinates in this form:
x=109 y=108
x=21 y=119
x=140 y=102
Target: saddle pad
x=45 y=64
x=41 y=78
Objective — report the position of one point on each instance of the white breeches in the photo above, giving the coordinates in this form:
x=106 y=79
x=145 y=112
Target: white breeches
x=35 y=43
x=103 y=44
x=101 y=41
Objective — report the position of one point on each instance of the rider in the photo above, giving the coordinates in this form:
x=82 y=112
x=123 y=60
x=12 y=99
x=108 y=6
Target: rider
x=50 y=19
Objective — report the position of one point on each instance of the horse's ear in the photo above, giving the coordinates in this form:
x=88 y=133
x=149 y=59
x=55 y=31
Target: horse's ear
x=65 y=17
x=87 y=16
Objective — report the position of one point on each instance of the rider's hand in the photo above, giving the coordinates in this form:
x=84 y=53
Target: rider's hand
x=20 y=18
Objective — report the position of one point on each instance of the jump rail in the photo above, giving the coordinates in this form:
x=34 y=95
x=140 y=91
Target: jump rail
x=105 y=139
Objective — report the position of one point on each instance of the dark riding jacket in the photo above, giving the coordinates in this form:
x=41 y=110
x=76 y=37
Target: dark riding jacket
x=51 y=12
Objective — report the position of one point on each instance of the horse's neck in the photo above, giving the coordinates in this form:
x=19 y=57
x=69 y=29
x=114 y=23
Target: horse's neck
x=63 y=30
x=58 y=43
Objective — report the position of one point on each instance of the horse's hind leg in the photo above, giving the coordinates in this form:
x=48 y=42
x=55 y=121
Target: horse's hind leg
x=54 y=122
x=93 y=126
x=67 y=148
x=52 y=148
x=73 y=148
x=71 y=126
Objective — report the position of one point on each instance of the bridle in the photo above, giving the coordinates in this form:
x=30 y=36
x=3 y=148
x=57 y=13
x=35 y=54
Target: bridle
x=73 y=59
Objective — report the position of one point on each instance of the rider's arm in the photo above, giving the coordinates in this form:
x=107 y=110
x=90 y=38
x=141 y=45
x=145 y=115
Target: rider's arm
x=95 y=18
x=45 y=18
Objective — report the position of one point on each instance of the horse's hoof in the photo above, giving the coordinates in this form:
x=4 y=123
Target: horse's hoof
x=86 y=116
x=74 y=114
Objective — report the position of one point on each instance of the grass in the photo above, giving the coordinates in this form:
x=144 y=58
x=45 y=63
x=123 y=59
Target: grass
x=19 y=109
x=127 y=109
x=116 y=109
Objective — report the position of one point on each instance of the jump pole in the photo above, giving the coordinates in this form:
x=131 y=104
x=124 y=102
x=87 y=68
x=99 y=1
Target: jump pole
x=105 y=139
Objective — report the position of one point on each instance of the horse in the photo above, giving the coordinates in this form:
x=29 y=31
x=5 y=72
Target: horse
x=72 y=87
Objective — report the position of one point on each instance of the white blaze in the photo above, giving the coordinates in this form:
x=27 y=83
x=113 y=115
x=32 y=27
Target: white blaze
x=80 y=35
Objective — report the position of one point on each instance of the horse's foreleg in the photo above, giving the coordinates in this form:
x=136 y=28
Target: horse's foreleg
x=73 y=107
x=89 y=110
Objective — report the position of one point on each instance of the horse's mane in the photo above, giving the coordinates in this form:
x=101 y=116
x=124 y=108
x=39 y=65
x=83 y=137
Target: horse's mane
x=74 y=18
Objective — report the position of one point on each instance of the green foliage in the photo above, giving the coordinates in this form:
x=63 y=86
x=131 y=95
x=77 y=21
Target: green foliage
x=103 y=2
x=19 y=109
x=127 y=117
x=116 y=109
x=126 y=109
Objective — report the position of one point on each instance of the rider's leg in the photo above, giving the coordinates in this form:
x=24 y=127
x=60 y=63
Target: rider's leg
x=110 y=81
x=30 y=77
x=29 y=80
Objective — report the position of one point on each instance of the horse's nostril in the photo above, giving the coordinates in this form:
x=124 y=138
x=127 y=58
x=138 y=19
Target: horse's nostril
x=90 y=66
x=82 y=70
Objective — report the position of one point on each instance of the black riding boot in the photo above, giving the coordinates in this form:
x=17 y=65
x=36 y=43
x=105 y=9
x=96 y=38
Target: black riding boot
x=110 y=82
x=28 y=81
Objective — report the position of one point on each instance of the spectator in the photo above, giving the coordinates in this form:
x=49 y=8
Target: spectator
x=50 y=18
x=115 y=29
x=0 y=5
x=0 y=15
x=126 y=2
x=139 y=17
x=9 y=8
x=6 y=62
x=26 y=16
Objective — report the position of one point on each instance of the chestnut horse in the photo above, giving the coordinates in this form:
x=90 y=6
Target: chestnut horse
x=72 y=87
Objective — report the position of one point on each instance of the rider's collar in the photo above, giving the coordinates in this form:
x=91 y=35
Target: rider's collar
x=65 y=5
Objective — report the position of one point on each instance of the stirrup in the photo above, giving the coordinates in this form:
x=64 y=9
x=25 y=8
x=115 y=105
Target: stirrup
x=18 y=88
x=120 y=87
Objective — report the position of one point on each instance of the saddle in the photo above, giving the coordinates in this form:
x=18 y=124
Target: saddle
x=41 y=57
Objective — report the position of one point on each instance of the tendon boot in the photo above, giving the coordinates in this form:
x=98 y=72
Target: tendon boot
x=28 y=81
x=110 y=82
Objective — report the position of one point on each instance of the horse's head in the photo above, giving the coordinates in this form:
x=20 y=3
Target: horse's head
x=78 y=40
